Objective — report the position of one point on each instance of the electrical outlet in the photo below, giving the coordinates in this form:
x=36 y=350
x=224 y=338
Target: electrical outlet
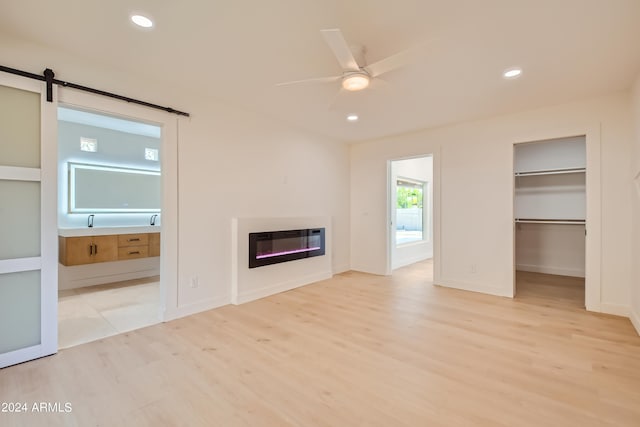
x=194 y=282
x=474 y=268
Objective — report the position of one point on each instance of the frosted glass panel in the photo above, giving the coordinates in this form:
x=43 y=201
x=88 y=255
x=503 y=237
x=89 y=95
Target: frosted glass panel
x=19 y=128
x=19 y=219
x=19 y=310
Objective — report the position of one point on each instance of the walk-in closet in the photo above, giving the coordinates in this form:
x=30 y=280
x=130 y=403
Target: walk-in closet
x=550 y=218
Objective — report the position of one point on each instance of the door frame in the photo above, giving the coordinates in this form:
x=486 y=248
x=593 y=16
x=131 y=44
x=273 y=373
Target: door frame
x=593 y=223
x=169 y=167
x=435 y=212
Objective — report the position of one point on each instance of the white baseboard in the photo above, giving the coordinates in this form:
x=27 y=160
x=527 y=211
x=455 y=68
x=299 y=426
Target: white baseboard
x=381 y=272
x=473 y=287
x=559 y=271
x=412 y=260
x=615 y=309
x=266 y=291
x=635 y=320
x=197 y=307
x=341 y=269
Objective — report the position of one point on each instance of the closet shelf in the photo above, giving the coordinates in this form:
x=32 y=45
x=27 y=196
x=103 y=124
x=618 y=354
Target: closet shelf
x=551 y=172
x=551 y=221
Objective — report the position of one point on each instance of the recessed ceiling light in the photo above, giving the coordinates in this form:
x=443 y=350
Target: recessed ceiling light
x=512 y=73
x=142 y=21
x=352 y=118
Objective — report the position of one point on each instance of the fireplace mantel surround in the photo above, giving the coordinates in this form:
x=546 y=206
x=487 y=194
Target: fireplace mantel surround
x=248 y=284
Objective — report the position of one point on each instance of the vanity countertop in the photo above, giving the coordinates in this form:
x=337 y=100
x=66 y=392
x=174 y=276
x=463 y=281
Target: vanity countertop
x=101 y=231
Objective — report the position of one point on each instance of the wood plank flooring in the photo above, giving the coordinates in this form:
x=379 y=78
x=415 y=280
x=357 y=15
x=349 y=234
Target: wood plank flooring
x=550 y=290
x=355 y=350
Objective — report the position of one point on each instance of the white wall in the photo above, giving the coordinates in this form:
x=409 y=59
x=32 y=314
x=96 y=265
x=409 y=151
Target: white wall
x=232 y=163
x=420 y=169
x=551 y=249
x=475 y=171
x=635 y=173
x=559 y=153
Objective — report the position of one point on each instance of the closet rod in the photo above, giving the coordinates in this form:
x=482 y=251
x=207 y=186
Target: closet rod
x=48 y=77
x=551 y=172
x=551 y=221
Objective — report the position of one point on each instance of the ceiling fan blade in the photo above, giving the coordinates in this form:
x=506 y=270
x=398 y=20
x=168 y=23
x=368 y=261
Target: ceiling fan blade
x=393 y=62
x=315 y=80
x=340 y=49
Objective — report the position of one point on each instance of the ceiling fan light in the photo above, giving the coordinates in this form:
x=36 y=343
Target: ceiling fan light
x=355 y=82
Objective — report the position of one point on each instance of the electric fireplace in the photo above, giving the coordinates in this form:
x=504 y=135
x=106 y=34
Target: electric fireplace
x=273 y=247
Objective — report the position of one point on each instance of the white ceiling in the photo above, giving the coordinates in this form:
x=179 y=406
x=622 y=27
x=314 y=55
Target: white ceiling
x=237 y=50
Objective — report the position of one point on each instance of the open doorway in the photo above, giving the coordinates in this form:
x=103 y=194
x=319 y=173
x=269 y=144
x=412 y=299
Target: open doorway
x=109 y=225
x=550 y=209
x=411 y=201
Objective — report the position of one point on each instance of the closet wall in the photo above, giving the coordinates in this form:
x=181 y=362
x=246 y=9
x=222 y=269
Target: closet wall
x=550 y=206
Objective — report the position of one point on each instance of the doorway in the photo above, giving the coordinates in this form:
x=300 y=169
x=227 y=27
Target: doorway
x=550 y=210
x=411 y=213
x=29 y=274
x=109 y=224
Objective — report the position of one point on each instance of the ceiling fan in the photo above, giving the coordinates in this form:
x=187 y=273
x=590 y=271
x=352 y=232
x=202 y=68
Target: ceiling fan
x=356 y=76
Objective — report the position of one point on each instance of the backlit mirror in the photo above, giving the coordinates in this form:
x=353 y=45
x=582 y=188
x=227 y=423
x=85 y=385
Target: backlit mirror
x=97 y=188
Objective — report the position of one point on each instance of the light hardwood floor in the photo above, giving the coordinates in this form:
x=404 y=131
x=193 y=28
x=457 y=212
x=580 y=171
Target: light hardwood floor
x=550 y=290
x=355 y=350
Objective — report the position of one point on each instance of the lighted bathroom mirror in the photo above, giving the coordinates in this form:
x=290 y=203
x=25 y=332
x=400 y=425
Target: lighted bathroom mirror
x=98 y=188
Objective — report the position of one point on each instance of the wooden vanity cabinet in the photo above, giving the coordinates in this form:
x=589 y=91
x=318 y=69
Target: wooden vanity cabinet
x=87 y=249
x=154 y=244
x=104 y=248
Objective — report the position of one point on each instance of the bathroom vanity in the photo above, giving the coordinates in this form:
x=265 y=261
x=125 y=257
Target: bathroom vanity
x=96 y=245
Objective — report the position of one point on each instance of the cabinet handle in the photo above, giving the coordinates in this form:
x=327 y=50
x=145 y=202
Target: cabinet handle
x=134 y=253
x=96 y=249
x=137 y=239
x=91 y=249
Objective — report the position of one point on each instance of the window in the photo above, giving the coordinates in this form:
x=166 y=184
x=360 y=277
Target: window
x=409 y=211
x=88 y=144
x=151 y=154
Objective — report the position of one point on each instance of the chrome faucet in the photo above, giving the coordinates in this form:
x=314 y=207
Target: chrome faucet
x=90 y=221
x=152 y=221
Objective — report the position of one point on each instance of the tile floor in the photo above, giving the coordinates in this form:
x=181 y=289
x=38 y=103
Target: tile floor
x=95 y=312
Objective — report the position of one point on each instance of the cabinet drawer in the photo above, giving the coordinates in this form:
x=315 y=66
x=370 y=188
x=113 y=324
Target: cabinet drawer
x=133 y=252
x=133 y=240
